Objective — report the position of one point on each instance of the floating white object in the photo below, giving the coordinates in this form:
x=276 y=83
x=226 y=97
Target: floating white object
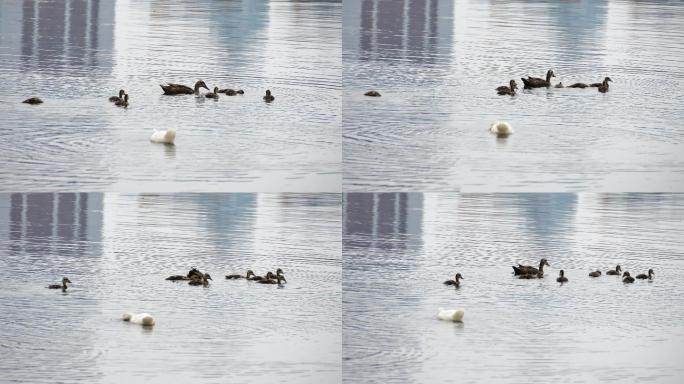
x=501 y=129
x=140 y=318
x=450 y=314
x=165 y=137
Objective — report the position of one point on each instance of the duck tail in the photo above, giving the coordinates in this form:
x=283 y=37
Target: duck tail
x=525 y=81
x=516 y=270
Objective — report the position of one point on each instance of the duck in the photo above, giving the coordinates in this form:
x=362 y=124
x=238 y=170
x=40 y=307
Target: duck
x=194 y=272
x=603 y=83
x=212 y=95
x=603 y=88
x=141 y=318
x=627 y=278
x=645 y=276
x=504 y=90
x=372 y=94
x=528 y=269
x=122 y=102
x=202 y=279
x=268 y=276
x=595 y=274
x=117 y=98
x=561 y=277
x=535 y=82
x=247 y=276
x=455 y=281
x=62 y=286
x=615 y=271
x=179 y=89
x=501 y=129
x=450 y=314
x=231 y=92
x=559 y=85
x=528 y=276
x=279 y=272
x=163 y=136
x=268 y=97
x=578 y=85
x=33 y=100
x=278 y=280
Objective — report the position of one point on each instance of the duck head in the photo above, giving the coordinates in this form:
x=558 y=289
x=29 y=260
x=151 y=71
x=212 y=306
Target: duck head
x=207 y=277
x=562 y=273
x=66 y=280
x=513 y=84
x=542 y=263
x=279 y=271
x=121 y=93
x=550 y=74
x=200 y=84
x=268 y=92
x=216 y=90
x=270 y=275
x=618 y=269
x=250 y=273
x=458 y=276
x=626 y=274
x=650 y=273
x=607 y=79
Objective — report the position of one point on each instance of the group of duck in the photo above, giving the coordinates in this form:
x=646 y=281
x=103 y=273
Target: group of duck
x=121 y=100
x=536 y=82
x=531 y=272
x=195 y=277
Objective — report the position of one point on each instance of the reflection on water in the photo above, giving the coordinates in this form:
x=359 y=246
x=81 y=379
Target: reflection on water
x=118 y=249
x=437 y=63
x=398 y=248
x=75 y=54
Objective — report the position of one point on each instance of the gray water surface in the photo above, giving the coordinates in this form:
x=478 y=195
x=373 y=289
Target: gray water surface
x=75 y=54
x=117 y=249
x=399 y=248
x=437 y=64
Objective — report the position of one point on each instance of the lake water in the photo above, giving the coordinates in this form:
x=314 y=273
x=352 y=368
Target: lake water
x=437 y=64
x=75 y=54
x=117 y=249
x=399 y=248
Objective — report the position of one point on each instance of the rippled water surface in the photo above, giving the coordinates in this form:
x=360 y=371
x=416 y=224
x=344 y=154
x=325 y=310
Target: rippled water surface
x=118 y=249
x=437 y=64
x=399 y=248
x=75 y=54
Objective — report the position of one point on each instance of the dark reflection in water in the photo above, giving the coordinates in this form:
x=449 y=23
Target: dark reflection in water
x=437 y=63
x=393 y=278
x=117 y=249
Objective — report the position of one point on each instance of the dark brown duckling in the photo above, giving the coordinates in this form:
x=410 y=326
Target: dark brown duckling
x=203 y=280
x=273 y=280
x=193 y=273
x=179 y=89
x=615 y=271
x=372 y=94
x=577 y=85
x=455 y=282
x=528 y=269
x=535 y=82
x=117 y=98
x=33 y=100
x=603 y=83
x=268 y=97
x=247 y=276
x=510 y=90
x=645 y=276
x=627 y=278
x=231 y=92
x=212 y=95
x=62 y=286
x=268 y=276
x=122 y=103
x=595 y=274
x=561 y=278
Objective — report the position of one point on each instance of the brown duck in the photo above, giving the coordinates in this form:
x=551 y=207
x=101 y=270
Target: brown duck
x=510 y=90
x=595 y=274
x=62 y=286
x=179 y=89
x=212 y=95
x=372 y=94
x=33 y=100
x=455 y=282
x=114 y=99
x=122 y=102
x=535 y=82
x=528 y=269
x=268 y=97
x=627 y=278
x=247 y=276
x=615 y=271
x=603 y=83
x=577 y=85
x=561 y=278
x=200 y=280
x=231 y=92
x=273 y=280
x=645 y=276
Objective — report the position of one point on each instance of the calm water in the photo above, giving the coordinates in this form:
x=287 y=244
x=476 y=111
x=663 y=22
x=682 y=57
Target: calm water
x=118 y=249
x=75 y=54
x=437 y=63
x=399 y=248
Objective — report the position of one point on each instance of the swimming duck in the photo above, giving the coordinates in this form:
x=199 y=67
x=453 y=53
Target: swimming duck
x=193 y=273
x=62 y=286
x=455 y=281
x=603 y=83
x=645 y=276
x=450 y=314
x=122 y=102
x=559 y=85
x=535 y=82
x=279 y=272
x=212 y=95
x=268 y=97
x=504 y=90
x=528 y=269
x=231 y=92
x=33 y=100
x=247 y=276
x=615 y=271
x=278 y=280
x=561 y=278
x=627 y=278
x=528 y=276
x=164 y=137
x=578 y=85
x=179 y=89
x=268 y=276
x=595 y=274
x=141 y=318
x=117 y=98
x=501 y=129
x=372 y=94
x=200 y=280
x=603 y=88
